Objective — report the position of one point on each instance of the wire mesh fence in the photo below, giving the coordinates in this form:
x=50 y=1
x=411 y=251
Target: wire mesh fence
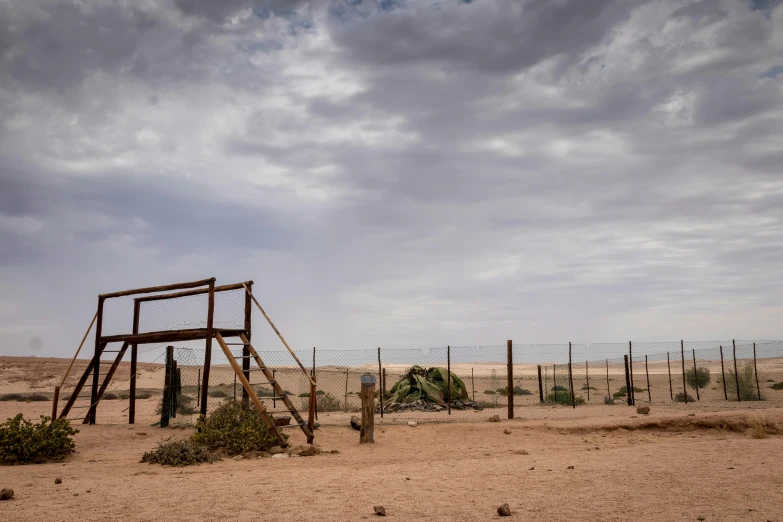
x=548 y=381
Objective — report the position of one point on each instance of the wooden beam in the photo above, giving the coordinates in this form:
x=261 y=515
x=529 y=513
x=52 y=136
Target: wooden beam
x=91 y=413
x=134 y=359
x=68 y=371
x=109 y=375
x=167 y=336
x=164 y=288
x=222 y=288
x=78 y=389
x=208 y=349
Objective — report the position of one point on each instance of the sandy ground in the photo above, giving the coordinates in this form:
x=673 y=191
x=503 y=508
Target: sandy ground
x=668 y=471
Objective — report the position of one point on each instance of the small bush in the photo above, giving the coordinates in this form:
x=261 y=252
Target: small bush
x=559 y=388
x=36 y=397
x=777 y=386
x=12 y=397
x=234 y=429
x=747 y=383
x=23 y=442
x=490 y=392
x=680 y=397
x=586 y=387
x=178 y=453
x=110 y=397
x=218 y=394
x=698 y=377
x=759 y=427
x=564 y=398
x=608 y=400
x=143 y=395
x=304 y=395
x=264 y=392
x=327 y=402
x=518 y=390
x=185 y=405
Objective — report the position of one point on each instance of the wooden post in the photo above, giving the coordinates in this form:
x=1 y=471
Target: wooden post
x=198 y=388
x=627 y=382
x=587 y=376
x=380 y=376
x=274 y=401
x=756 y=371
x=134 y=361
x=647 y=371
x=736 y=373
x=208 y=347
x=669 y=366
x=630 y=372
x=571 y=378
x=448 y=376
x=540 y=386
x=165 y=410
x=367 y=396
x=473 y=385
x=383 y=386
x=554 y=381
x=246 y=348
x=311 y=406
x=510 y=380
x=608 y=391
x=723 y=375
x=346 y=390
x=316 y=402
x=96 y=368
x=695 y=375
x=54 y=402
x=235 y=386
x=682 y=356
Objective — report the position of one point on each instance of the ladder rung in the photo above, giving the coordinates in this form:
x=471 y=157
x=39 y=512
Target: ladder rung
x=292 y=426
x=237 y=344
x=281 y=411
x=243 y=357
x=111 y=351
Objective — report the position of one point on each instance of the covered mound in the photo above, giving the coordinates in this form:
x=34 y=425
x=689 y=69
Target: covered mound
x=428 y=389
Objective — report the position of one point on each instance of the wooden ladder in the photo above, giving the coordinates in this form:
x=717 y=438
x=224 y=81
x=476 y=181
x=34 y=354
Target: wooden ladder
x=279 y=393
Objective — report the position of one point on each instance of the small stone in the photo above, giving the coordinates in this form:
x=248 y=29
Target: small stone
x=380 y=511
x=507 y=431
x=407 y=478
x=643 y=410
x=699 y=518
x=275 y=449
x=238 y=457
x=494 y=418
x=335 y=452
x=88 y=491
x=280 y=456
x=531 y=468
x=316 y=425
x=691 y=415
x=522 y=452
x=504 y=511
x=413 y=424
x=6 y=494
x=308 y=451
x=570 y=467
x=75 y=494
x=58 y=480
x=356 y=422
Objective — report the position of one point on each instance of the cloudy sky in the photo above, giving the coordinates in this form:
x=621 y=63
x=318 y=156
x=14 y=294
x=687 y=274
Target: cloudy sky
x=402 y=173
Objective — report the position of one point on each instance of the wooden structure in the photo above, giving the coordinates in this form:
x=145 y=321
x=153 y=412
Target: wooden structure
x=100 y=381
x=367 y=395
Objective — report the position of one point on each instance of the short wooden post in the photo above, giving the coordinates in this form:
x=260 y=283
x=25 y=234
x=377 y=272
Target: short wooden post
x=510 y=380
x=367 y=396
x=669 y=367
x=723 y=375
x=380 y=375
x=316 y=403
x=571 y=378
x=133 y=363
x=736 y=373
x=682 y=356
x=608 y=391
x=472 y=385
x=695 y=375
x=54 y=402
x=346 y=390
x=540 y=386
x=627 y=382
x=448 y=377
x=756 y=372
x=587 y=377
x=647 y=371
x=631 y=390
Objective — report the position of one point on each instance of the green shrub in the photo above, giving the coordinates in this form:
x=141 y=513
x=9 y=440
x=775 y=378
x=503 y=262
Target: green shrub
x=770 y=380
x=564 y=398
x=619 y=394
x=217 y=394
x=586 y=387
x=559 y=388
x=778 y=386
x=698 y=377
x=490 y=392
x=110 y=397
x=264 y=392
x=37 y=397
x=23 y=442
x=12 y=397
x=185 y=405
x=680 y=397
x=609 y=400
x=304 y=395
x=178 y=453
x=747 y=383
x=327 y=402
x=518 y=390
x=143 y=395
x=234 y=429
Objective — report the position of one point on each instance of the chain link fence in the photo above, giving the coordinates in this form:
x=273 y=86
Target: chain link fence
x=548 y=381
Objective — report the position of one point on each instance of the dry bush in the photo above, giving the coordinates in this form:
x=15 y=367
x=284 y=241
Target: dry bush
x=758 y=426
x=178 y=453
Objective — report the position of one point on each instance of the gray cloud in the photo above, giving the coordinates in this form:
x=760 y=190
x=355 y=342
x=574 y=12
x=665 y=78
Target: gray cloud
x=415 y=174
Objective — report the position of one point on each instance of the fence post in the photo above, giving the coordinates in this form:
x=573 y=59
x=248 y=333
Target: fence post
x=682 y=356
x=235 y=386
x=134 y=359
x=165 y=410
x=647 y=371
x=723 y=375
x=367 y=396
x=198 y=389
x=54 y=402
x=245 y=347
x=473 y=385
x=346 y=390
x=274 y=401
x=669 y=366
x=510 y=380
x=608 y=391
x=380 y=376
x=448 y=376
x=91 y=413
x=695 y=375
x=311 y=406
x=736 y=373
x=756 y=371
x=554 y=381
x=627 y=382
x=630 y=370
x=571 y=378
x=208 y=347
x=587 y=376
x=316 y=402
x=540 y=386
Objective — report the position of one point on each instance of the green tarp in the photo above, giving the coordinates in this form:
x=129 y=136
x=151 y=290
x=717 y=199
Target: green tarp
x=429 y=385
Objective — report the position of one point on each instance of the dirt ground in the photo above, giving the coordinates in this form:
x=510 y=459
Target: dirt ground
x=656 y=467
